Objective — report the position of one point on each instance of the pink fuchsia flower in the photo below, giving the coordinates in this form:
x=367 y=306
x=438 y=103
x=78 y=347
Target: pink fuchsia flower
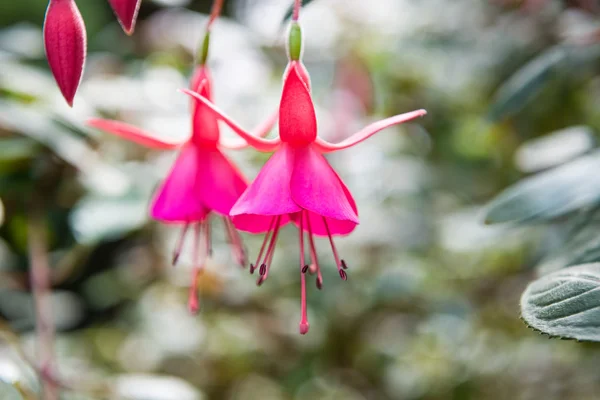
x=65 y=44
x=126 y=12
x=297 y=183
x=202 y=182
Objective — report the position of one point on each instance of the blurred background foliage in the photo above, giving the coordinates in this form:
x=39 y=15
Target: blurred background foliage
x=431 y=309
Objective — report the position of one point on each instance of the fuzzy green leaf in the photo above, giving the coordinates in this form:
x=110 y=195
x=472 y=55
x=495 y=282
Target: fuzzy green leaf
x=565 y=303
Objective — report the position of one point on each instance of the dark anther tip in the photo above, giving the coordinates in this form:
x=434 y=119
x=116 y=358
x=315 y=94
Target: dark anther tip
x=252 y=268
x=304 y=269
x=319 y=284
x=343 y=264
x=263 y=269
x=343 y=274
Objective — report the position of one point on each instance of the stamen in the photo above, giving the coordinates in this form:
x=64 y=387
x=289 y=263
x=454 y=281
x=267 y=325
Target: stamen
x=304 y=325
x=179 y=244
x=304 y=269
x=208 y=249
x=270 y=252
x=198 y=266
x=264 y=244
x=338 y=263
x=313 y=254
x=237 y=246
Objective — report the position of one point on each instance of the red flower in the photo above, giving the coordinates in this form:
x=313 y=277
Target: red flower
x=297 y=183
x=126 y=12
x=202 y=180
x=65 y=43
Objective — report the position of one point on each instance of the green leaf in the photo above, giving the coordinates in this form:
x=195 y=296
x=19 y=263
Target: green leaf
x=580 y=244
x=520 y=88
x=549 y=194
x=565 y=303
x=290 y=10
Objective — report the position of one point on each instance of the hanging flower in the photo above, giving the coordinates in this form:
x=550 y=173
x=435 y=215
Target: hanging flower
x=65 y=44
x=297 y=183
x=202 y=182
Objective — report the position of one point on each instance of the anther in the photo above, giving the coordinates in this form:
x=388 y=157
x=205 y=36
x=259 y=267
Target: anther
x=252 y=268
x=343 y=275
x=263 y=269
x=343 y=264
x=319 y=283
x=304 y=269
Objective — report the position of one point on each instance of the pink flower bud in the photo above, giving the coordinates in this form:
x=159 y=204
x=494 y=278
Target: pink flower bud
x=65 y=42
x=126 y=11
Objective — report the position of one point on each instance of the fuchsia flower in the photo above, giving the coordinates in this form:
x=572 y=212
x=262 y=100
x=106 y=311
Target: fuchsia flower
x=297 y=183
x=126 y=12
x=202 y=181
x=65 y=43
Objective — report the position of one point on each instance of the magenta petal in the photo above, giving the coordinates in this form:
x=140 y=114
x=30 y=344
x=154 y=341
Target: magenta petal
x=134 y=134
x=221 y=183
x=205 y=127
x=297 y=120
x=177 y=199
x=126 y=12
x=268 y=195
x=316 y=187
x=65 y=43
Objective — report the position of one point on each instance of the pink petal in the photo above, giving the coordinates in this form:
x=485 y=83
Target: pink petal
x=177 y=199
x=326 y=147
x=297 y=120
x=65 y=43
x=316 y=187
x=261 y=131
x=268 y=195
x=302 y=72
x=126 y=11
x=257 y=143
x=220 y=183
x=205 y=126
x=134 y=134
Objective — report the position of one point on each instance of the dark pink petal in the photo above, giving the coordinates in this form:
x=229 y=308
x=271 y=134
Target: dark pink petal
x=126 y=12
x=134 y=134
x=65 y=43
x=220 y=183
x=261 y=131
x=301 y=70
x=256 y=142
x=297 y=120
x=317 y=188
x=177 y=199
x=269 y=195
x=326 y=147
x=205 y=126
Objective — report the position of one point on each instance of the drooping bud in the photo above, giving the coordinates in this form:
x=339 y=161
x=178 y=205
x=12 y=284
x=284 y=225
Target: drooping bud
x=294 y=45
x=65 y=44
x=126 y=12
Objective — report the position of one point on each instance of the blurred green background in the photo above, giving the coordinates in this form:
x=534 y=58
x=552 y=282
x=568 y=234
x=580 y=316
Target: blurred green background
x=431 y=307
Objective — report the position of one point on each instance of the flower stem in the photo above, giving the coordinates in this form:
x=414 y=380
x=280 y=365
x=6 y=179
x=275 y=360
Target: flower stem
x=39 y=272
x=214 y=13
x=296 y=13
